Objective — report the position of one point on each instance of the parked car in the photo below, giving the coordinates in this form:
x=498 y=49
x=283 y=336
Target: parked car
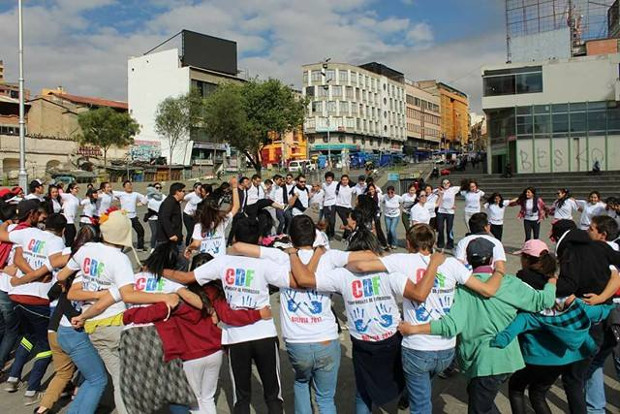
x=298 y=165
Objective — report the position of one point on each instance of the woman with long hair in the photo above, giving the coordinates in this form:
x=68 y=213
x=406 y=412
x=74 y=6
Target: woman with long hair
x=391 y=203
x=209 y=234
x=564 y=205
x=408 y=200
x=495 y=208
x=432 y=203
x=532 y=210
x=70 y=204
x=472 y=195
x=420 y=212
x=374 y=210
x=593 y=207
x=445 y=214
x=53 y=200
x=89 y=208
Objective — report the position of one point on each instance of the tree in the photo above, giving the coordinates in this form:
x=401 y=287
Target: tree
x=175 y=118
x=244 y=115
x=105 y=127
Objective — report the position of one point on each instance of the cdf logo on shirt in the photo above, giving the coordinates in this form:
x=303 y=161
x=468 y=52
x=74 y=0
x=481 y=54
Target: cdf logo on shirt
x=92 y=267
x=239 y=277
x=36 y=246
x=365 y=287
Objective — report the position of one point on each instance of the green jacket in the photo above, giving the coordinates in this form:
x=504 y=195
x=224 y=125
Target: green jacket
x=478 y=320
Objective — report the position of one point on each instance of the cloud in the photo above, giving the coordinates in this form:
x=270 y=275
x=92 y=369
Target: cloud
x=84 y=45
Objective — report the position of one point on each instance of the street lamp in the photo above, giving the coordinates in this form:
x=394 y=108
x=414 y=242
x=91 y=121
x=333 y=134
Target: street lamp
x=326 y=88
x=23 y=175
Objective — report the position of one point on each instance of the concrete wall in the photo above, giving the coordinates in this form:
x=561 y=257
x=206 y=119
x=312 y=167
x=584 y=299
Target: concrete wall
x=151 y=79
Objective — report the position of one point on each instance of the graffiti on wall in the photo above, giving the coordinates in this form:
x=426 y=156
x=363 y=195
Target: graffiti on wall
x=145 y=150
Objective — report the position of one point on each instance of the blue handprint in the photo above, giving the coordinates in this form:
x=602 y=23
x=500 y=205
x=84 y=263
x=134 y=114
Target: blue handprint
x=421 y=313
x=385 y=317
x=358 y=320
x=315 y=305
x=290 y=300
x=248 y=302
x=445 y=304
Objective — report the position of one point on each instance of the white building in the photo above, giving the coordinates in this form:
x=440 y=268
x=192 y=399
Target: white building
x=553 y=115
x=156 y=76
x=363 y=107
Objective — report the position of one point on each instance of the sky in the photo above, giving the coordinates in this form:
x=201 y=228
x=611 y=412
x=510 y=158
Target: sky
x=84 y=45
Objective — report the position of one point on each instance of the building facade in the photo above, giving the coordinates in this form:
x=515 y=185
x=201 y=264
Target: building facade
x=363 y=108
x=292 y=145
x=156 y=76
x=454 y=106
x=423 y=118
x=553 y=115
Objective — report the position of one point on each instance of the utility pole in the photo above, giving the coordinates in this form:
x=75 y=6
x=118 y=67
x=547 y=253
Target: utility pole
x=23 y=175
x=326 y=88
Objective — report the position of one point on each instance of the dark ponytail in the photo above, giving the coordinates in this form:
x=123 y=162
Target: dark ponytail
x=207 y=309
x=165 y=256
x=546 y=264
x=364 y=239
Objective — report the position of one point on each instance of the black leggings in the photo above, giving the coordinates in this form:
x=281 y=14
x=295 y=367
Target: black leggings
x=541 y=378
x=379 y=231
x=343 y=213
x=189 y=223
x=497 y=230
x=265 y=354
x=531 y=226
x=137 y=226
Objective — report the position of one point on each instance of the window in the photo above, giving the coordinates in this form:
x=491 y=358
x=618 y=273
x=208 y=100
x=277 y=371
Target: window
x=336 y=91
x=560 y=124
x=577 y=122
x=344 y=107
x=513 y=81
x=349 y=92
x=331 y=107
x=353 y=109
x=330 y=75
x=310 y=91
x=317 y=107
x=305 y=77
x=354 y=78
x=315 y=76
x=351 y=123
x=323 y=92
x=343 y=76
x=358 y=94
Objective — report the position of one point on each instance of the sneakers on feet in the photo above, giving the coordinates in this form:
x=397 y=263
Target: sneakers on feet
x=30 y=399
x=11 y=386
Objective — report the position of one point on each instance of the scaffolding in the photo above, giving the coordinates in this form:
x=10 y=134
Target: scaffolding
x=587 y=20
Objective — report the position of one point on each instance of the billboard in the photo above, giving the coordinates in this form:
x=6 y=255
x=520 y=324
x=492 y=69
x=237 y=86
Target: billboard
x=208 y=52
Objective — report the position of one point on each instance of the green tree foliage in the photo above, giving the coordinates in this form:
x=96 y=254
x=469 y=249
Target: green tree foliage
x=244 y=115
x=175 y=118
x=105 y=127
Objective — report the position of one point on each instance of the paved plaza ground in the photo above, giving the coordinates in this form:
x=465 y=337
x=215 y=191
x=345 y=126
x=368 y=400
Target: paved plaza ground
x=449 y=395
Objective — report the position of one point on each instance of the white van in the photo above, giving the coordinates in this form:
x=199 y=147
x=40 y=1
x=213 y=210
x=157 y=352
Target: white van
x=298 y=165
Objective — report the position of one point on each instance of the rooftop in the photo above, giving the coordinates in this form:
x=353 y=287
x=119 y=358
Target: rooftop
x=88 y=100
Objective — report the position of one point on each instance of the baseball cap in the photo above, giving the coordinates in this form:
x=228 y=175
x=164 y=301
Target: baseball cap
x=25 y=207
x=480 y=247
x=16 y=190
x=533 y=247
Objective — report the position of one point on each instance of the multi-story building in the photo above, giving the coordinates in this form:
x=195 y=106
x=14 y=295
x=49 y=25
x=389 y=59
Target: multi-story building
x=362 y=107
x=554 y=115
x=289 y=146
x=423 y=118
x=202 y=63
x=454 y=106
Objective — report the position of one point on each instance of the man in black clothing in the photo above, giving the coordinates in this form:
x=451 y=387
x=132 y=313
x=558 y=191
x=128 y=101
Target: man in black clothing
x=170 y=220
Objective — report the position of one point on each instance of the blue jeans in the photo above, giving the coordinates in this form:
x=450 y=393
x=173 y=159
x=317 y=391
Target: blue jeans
x=77 y=345
x=316 y=364
x=34 y=320
x=391 y=224
x=11 y=328
x=420 y=367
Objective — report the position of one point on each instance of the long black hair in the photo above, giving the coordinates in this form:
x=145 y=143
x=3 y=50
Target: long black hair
x=87 y=234
x=165 y=256
x=209 y=214
x=364 y=239
x=560 y=201
x=523 y=199
x=207 y=308
x=492 y=197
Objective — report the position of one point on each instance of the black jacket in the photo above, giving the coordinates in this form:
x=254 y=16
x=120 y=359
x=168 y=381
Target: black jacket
x=584 y=264
x=170 y=220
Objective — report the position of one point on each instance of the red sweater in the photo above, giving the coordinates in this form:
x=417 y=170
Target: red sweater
x=187 y=334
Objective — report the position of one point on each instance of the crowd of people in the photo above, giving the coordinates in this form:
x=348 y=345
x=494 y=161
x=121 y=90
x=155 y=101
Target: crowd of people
x=156 y=332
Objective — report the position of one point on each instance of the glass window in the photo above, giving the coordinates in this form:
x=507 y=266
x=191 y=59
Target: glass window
x=529 y=83
x=316 y=76
x=317 y=107
x=577 y=121
x=561 y=108
x=577 y=107
x=344 y=107
x=542 y=109
x=597 y=105
x=542 y=124
x=330 y=75
x=597 y=120
x=309 y=90
x=499 y=85
x=354 y=78
x=349 y=92
x=560 y=123
x=336 y=90
x=331 y=107
x=350 y=122
x=305 y=77
x=343 y=76
x=613 y=120
x=323 y=91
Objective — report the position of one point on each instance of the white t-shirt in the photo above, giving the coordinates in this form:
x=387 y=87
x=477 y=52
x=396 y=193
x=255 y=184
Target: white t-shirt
x=129 y=201
x=419 y=214
x=330 y=194
x=530 y=214
x=431 y=204
x=369 y=299
x=154 y=205
x=448 y=200
x=589 y=211
x=89 y=209
x=102 y=267
x=461 y=248
x=566 y=211
x=359 y=189
x=438 y=302
x=56 y=206
x=317 y=198
x=147 y=282
x=391 y=206
x=495 y=212
x=104 y=202
x=245 y=281
x=192 y=200
x=277 y=194
x=214 y=240
x=344 y=196
x=37 y=246
x=32 y=196
x=306 y=315
x=472 y=200
x=408 y=201
x=303 y=196
x=70 y=204
x=254 y=194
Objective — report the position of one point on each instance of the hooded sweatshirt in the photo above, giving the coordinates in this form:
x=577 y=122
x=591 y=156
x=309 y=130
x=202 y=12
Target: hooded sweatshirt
x=584 y=264
x=553 y=340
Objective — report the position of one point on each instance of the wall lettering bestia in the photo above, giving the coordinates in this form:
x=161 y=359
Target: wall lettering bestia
x=567 y=154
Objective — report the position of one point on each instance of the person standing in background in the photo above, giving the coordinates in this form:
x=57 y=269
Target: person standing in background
x=408 y=200
x=472 y=200
x=189 y=212
x=129 y=200
x=70 y=204
x=35 y=189
x=391 y=210
x=53 y=199
x=89 y=208
x=445 y=214
x=170 y=220
x=344 y=196
x=155 y=198
x=329 y=203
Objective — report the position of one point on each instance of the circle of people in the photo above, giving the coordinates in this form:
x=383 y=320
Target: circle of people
x=70 y=296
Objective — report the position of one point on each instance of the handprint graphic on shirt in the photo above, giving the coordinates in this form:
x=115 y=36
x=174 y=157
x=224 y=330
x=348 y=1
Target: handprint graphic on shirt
x=248 y=301
x=315 y=306
x=291 y=304
x=358 y=320
x=445 y=304
x=421 y=313
x=385 y=317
